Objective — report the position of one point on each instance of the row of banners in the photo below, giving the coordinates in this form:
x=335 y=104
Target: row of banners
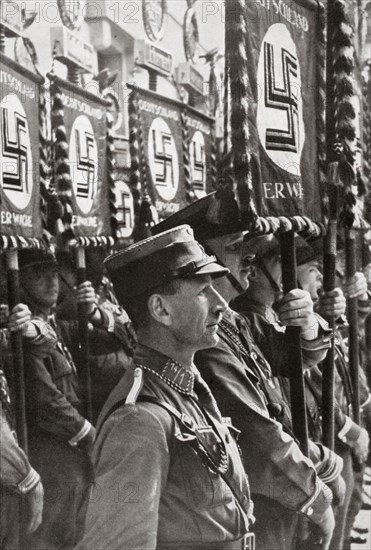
x=281 y=53
x=85 y=128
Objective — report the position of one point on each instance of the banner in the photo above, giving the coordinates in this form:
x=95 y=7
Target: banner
x=200 y=154
x=173 y=148
x=19 y=151
x=281 y=54
x=160 y=121
x=85 y=125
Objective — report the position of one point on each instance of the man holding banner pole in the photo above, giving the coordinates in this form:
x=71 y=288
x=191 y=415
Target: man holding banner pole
x=241 y=379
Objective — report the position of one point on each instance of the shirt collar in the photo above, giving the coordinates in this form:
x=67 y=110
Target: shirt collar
x=243 y=303
x=169 y=370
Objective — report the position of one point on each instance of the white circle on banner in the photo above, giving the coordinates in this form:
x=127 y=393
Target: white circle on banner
x=197 y=156
x=16 y=155
x=163 y=159
x=84 y=163
x=280 y=106
x=125 y=208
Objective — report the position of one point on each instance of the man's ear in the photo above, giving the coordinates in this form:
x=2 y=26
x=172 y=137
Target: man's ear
x=159 y=309
x=254 y=273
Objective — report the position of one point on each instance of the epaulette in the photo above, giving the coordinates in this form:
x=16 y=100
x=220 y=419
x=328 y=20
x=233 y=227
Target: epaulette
x=136 y=387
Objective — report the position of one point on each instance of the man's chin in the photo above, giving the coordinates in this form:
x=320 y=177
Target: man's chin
x=210 y=341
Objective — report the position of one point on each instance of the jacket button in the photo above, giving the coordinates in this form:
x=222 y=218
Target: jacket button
x=310 y=511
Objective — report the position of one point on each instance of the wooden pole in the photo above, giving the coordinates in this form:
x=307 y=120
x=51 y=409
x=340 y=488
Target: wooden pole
x=293 y=344
x=18 y=370
x=329 y=283
x=368 y=347
x=351 y=267
x=17 y=350
x=84 y=356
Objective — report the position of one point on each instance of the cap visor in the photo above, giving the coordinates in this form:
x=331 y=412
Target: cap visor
x=214 y=270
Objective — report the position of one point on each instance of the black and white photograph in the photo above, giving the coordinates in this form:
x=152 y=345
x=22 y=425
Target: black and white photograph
x=185 y=274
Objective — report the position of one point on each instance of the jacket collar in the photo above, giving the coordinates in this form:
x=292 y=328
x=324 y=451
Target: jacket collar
x=169 y=370
x=243 y=303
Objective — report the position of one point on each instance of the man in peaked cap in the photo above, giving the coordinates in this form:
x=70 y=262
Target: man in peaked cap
x=351 y=439
x=167 y=467
x=288 y=484
x=60 y=438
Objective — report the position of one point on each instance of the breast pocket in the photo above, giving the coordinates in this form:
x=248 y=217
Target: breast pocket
x=203 y=486
x=59 y=365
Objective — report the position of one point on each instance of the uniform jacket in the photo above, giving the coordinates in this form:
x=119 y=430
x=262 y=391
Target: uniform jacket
x=270 y=336
x=53 y=401
x=155 y=490
x=275 y=465
x=16 y=473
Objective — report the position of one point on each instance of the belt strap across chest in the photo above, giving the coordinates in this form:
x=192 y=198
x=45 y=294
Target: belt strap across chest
x=199 y=444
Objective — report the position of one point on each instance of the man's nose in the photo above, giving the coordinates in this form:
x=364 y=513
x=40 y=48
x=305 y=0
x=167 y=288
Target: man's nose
x=219 y=304
x=51 y=277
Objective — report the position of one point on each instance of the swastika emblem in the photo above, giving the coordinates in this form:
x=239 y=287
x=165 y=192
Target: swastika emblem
x=16 y=156
x=283 y=98
x=280 y=105
x=84 y=163
x=163 y=159
x=198 y=164
x=125 y=208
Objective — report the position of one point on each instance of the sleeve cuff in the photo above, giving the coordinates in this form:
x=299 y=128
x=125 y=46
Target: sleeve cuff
x=322 y=341
x=364 y=306
x=367 y=402
x=29 y=482
x=75 y=440
x=332 y=467
x=318 y=503
x=350 y=432
x=108 y=319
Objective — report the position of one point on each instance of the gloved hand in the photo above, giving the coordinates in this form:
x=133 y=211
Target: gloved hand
x=338 y=488
x=361 y=446
x=86 y=297
x=296 y=310
x=356 y=286
x=324 y=529
x=331 y=303
x=34 y=503
x=87 y=443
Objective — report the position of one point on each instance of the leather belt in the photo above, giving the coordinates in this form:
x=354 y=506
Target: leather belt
x=246 y=543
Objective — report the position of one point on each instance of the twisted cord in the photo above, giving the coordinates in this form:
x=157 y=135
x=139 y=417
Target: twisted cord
x=135 y=173
x=61 y=175
x=110 y=152
x=239 y=83
x=366 y=146
x=321 y=39
x=342 y=64
x=188 y=183
x=213 y=156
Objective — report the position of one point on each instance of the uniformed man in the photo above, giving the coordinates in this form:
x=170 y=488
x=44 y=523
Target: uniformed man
x=168 y=471
x=351 y=440
x=285 y=483
x=19 y=482
x=60 y=437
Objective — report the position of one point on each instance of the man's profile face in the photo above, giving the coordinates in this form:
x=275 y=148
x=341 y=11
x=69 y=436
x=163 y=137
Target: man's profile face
x=41 y=284
x=310 y=278
x=196 y=310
